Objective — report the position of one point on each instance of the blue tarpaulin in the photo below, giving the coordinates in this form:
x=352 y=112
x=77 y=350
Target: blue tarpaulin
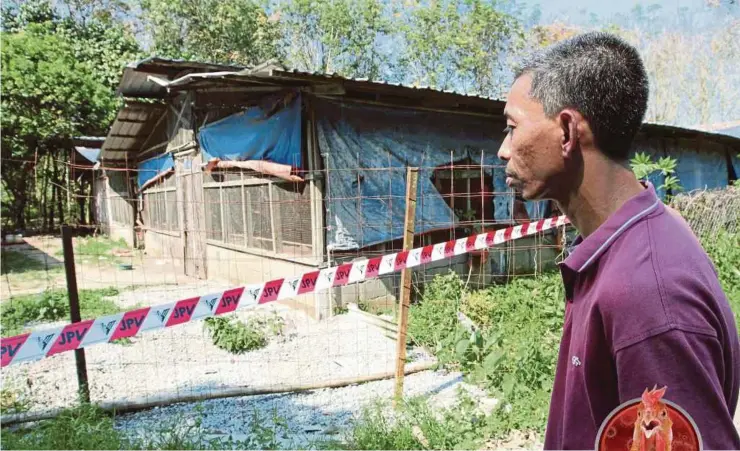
x=255 y=134
x=152 y=167
x=700 y=169
x=366 y=151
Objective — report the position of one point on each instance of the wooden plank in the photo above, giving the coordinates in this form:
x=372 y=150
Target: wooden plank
x=197 y=232
x=316 y=191
x=412 y=178
x=275 y=221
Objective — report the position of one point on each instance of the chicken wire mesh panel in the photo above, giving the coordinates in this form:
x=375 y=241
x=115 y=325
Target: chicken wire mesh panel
x=294 y=209
x=234 y=216
x=259 y=216
x=213 y=207
x=257 y=230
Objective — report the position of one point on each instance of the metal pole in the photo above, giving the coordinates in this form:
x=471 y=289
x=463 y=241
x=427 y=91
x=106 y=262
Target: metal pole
x=412 y=177
x=74 y=309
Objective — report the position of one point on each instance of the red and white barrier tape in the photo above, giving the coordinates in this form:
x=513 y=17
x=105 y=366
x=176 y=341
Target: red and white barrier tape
x=45 y=343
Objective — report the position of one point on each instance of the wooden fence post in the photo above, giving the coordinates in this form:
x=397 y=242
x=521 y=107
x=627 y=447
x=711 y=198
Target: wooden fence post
x=412 y=178
x=74 y=310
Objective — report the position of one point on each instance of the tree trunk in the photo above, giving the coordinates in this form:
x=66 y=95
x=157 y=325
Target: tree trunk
x=53 y=177
x=44 y=189
x=19 y=209
x=81 y=201
x=59 y=184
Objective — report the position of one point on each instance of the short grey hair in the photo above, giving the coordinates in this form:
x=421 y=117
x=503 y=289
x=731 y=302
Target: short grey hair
x=599 y=75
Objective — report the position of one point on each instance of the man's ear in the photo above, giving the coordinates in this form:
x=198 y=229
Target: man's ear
x=568 y=123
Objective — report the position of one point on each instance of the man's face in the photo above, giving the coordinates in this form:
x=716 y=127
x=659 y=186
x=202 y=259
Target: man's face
x=532 y=146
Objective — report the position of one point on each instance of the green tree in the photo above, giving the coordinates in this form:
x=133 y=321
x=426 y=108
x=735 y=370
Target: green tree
x=48 y=97
x=489 y=35
x=60 y=70
x=335 y=36
x=218 y=31
x=458 y=45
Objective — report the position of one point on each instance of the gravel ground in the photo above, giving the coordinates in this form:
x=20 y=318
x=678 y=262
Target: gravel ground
x=183 y=360
x=309 y=416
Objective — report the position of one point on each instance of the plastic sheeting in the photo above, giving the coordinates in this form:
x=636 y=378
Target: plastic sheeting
x=256 y=134
x=366 y=151
x=700 y=169
x=90 y=154
x=148 y=169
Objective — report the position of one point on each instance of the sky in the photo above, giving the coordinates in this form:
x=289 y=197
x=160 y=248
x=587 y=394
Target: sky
x=669 y=13
x=571 y=8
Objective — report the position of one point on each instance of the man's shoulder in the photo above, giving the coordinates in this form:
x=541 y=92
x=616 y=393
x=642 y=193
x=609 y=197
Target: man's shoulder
x=655 y=278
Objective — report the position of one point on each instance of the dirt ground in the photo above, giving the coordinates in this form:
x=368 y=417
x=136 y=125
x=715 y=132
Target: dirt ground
x=91 y=273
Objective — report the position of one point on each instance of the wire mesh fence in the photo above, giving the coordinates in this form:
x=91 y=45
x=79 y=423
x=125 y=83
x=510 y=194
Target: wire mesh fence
x=196 y=232
x=709 y=211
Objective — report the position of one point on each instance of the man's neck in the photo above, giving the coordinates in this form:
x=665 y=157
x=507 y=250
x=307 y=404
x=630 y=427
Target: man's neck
x=601 y=193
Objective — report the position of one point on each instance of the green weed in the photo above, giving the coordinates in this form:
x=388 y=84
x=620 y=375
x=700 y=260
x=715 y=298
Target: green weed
x=416 y=425
x=53 y=305
x=98 y=248
x=84 y=427
x=12 y=400
x=512 y=352
x=239 y=337
x=723 y=249
x=99 y=245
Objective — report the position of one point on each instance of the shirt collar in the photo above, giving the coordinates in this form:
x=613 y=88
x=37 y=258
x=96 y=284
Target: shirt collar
x=587 y=251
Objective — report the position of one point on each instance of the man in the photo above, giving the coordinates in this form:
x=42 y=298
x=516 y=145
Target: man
x=643 y=302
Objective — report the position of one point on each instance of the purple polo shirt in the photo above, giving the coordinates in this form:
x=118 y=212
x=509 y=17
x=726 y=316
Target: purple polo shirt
x=643 y=307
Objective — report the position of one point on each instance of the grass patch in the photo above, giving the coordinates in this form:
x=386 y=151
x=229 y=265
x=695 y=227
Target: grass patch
x=84 y=427
x=416 y=425
x=89 y=427
x=238 y=337
x=99 y=245
x=98 y=248
x=724 y=250
x=53 y=305
x=513 y=352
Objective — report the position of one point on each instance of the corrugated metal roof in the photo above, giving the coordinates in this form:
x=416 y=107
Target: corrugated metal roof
x=731 y=128
x=338 y=77
x=137 y=81
x=133 y=125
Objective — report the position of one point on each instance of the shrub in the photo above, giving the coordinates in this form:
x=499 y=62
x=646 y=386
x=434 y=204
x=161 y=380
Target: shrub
x=512 y=352
x=238 y=337
x=723 y=249
x=53 y=305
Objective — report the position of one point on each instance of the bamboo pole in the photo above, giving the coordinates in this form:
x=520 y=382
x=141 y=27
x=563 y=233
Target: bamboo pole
x=412 y=178
x=149 y=402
